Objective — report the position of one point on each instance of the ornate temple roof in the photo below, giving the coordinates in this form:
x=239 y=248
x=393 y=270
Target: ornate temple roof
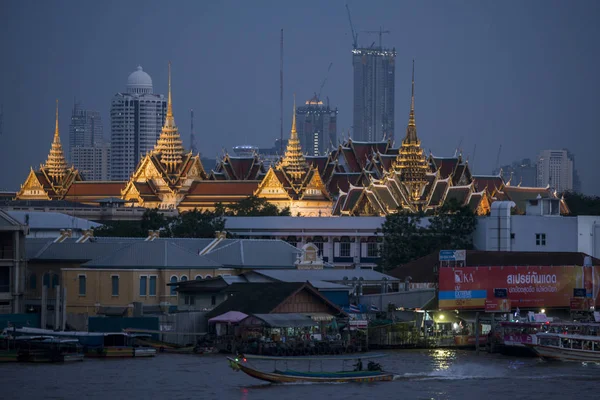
x=170 y=145
x=56 y=164
x=293 y=162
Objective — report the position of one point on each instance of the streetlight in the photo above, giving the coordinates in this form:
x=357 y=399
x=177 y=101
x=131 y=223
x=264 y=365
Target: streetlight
x=543 y=311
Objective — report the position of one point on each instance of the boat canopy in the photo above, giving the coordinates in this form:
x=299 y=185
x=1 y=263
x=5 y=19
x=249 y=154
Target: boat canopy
x=230 y=317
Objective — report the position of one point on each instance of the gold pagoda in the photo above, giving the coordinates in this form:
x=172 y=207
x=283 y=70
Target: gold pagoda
x=294 y=183
x=53 y=179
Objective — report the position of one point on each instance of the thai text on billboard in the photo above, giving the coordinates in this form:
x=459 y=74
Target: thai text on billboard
x=470 y=287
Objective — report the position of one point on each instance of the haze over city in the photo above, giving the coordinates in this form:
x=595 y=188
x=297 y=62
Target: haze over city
x=520 y=75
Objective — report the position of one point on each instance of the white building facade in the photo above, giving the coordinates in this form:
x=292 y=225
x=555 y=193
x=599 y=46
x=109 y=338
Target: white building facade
x=136 y=120
x=541 y=229
x=555 y=168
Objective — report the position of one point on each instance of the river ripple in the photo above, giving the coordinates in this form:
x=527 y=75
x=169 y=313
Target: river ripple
x=432 y=374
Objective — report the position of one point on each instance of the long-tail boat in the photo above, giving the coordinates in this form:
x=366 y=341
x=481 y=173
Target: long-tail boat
x=373 y=373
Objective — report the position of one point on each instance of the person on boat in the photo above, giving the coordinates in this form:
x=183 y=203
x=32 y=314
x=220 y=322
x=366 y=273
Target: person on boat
x=359 y=365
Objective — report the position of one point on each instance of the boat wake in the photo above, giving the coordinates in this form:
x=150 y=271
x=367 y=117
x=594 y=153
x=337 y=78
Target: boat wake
x=464 y=371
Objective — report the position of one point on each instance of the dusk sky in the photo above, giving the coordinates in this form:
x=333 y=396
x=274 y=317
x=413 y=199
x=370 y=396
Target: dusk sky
x=521 y=74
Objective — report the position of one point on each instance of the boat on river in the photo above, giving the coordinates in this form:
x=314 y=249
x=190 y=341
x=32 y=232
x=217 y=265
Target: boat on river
x=95 y=344
x=373 y=373
x=567 y=347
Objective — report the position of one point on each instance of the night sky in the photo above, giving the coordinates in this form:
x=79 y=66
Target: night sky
x=521 y=74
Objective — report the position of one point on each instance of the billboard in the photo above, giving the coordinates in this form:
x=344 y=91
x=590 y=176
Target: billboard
x=527 y=287
x=497 y=305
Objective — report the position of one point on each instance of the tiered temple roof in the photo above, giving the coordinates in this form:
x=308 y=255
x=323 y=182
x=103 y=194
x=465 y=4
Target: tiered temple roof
x=53 y=179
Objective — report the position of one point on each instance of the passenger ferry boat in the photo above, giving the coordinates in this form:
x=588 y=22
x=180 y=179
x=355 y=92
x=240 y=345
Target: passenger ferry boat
x=567 y=347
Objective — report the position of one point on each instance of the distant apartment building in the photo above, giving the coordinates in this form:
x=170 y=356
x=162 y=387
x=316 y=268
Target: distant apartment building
x=93 y=162
x=88 y=151
x=374 y=80
x=317 y=127
x=136 y=120
x=522 y=172
x=555 y=168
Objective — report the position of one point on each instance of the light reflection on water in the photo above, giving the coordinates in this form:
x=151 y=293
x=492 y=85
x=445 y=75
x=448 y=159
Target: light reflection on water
x=434 y=374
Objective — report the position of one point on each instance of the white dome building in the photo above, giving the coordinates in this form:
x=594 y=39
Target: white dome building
x=139 y=82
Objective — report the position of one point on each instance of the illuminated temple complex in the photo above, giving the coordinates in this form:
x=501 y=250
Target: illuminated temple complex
x=356 y=179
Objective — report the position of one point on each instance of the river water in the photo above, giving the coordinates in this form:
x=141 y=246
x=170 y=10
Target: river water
x=423 y=374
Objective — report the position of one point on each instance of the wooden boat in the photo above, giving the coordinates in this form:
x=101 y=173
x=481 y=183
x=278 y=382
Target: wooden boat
x=240 y=363
x=95 y=344
x=9 y=351
x=567 y=347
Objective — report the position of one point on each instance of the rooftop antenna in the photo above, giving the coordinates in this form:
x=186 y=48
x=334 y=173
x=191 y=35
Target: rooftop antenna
x=281 y=94
x=192 y=135
x=354 y=34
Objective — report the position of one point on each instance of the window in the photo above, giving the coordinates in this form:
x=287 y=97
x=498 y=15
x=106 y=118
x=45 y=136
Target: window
x=198 y=277
x=372 y=249
x=173 y=291
x=213 y=300
x=115 y=285
x=54 y=281
x=143 y=285
x=32 y=282
x=189 y=300
x=540 y=239
x=153 y=286
x=207 y=277
x=319 y=247
x=345 y=249
x=183 y=278
x=46 y=280
x=82 y=285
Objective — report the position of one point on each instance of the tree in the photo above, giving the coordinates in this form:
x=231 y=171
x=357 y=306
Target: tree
x=152 y=219
x=452 y=226
x=254 y=206
x=196 y=224
x=404 y=240
x=580 y=204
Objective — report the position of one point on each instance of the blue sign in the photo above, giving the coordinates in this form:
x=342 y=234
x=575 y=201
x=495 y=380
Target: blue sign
x=579 y=292
x=452 y=255
x=500 y=293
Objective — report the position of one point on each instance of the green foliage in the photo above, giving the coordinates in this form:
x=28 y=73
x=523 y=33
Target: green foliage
x=450 y=228
x=190 y=224
x=580 y=204
x=196 y=224
x=254 y=206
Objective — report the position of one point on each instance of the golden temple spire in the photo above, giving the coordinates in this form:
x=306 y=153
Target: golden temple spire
x=56 y=164
x=170 y=145
x=293 y=161
x=411 y=115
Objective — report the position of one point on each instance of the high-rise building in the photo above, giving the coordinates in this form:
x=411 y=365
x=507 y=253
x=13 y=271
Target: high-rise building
x=86 y=129
x=317 y=126
x=374 y=79
x=136 y=120
x=88 y=151
x=93 y=162
x=555 y=168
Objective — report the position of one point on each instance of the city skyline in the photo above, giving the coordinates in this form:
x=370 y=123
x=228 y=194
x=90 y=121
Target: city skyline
x=506 y=87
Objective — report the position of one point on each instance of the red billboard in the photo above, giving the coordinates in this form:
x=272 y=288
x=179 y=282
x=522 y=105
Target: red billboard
x=526 y=287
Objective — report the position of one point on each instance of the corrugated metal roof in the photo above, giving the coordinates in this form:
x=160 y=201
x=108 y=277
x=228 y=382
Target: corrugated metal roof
x=330 y=275
x=153 y=254
x=40 y=220
x=71 y=251
x=255 y=254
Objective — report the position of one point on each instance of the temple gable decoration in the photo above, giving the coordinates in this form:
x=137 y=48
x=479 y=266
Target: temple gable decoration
x=53 y=179
x=165 y=175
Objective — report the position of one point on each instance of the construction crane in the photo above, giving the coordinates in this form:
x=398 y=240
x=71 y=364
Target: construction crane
x=324 y=80
x=354 y=34
x=498 y=159
x=380 y=32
